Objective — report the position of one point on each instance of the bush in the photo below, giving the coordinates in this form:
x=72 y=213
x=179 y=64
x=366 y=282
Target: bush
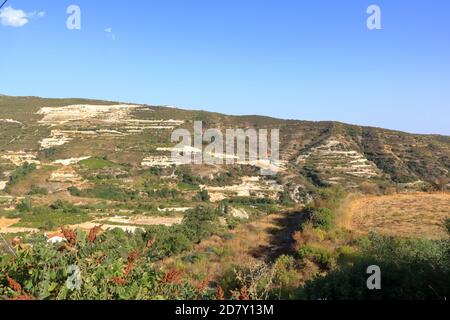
x=331 y=198
x=113 y=267
x=164 y=193
x=203 y=196
x=65 y=207
x=35 y=191
x=286 y=277
x=319 y=255
x=250 y=201
x=105 y=192
x=346 y=255
x=98 y=163
x=324 y=219
x=19 y=174
x=24 y=205
x=200 y=223
x=411 y=269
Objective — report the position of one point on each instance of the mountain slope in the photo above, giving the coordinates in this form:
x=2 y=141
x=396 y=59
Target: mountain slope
x=323 y=153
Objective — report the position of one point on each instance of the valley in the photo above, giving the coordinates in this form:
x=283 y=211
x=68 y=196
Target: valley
x=94 y=182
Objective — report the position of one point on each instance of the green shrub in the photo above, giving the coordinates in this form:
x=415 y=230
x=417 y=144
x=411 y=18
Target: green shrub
x=285 y=277
x=19 y=174
x=203 y=195
x=331 y=198
x=324 y=219
x=35 y=191
x=24 y=205
x=164 y=193
x=346 y=255
x=411 y=269
x=250 y=201
x=319 y=255
x=65 y=207
x=98 y=163
x=200 y=223
x=106 y=192
x=42 y=271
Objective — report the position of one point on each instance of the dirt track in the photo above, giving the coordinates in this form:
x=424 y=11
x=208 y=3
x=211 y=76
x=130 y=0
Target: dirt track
x=6 y=226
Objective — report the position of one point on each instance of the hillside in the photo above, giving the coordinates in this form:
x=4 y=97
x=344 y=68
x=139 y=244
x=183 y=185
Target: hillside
x=324 y=152
x=93 y=183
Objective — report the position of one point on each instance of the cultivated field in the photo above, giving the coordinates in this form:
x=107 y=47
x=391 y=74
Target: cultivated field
x=418 y=215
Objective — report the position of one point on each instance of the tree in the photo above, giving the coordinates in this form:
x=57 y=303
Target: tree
x=442 y=182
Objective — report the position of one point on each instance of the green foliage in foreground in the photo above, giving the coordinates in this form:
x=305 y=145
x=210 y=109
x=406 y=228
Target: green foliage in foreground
x=323 y=218
x=410 y=269
x=113 y=266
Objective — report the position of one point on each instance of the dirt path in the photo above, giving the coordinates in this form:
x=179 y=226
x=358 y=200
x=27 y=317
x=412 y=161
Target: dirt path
x=280 y=240
x=6 y=226
x=258 y=241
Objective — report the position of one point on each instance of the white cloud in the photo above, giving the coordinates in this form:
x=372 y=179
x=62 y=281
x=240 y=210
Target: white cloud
x=110 y=33
x=11 y=17
x=33 y=14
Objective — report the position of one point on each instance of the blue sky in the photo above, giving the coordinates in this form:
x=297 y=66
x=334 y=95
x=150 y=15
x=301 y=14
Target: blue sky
x=309 y=60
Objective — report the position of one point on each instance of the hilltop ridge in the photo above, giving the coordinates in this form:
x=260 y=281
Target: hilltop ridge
x=320 y=153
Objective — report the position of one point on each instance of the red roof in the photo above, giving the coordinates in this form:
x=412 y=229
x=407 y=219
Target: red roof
x=56 y=234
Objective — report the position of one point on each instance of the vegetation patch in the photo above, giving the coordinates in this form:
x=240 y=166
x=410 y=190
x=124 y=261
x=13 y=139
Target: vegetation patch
x=98 y=163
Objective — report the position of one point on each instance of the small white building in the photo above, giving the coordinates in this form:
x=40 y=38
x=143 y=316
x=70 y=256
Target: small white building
x=55 y=238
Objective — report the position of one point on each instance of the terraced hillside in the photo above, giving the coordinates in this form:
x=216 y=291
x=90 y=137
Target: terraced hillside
x=98 y=175
x=36 y=129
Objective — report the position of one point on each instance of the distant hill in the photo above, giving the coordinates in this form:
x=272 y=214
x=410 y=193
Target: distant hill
x=317 y=153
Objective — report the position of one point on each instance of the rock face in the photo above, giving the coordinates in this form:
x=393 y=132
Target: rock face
x=75 y=122
x=239 y=214
x=66 y=175
x=336 y=160
x=250 y=187
x=80 y=113
x=300 y=194
x=20 y=157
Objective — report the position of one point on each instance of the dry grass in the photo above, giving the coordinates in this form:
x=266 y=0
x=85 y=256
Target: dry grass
x=248 y=243
x=406 y=215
